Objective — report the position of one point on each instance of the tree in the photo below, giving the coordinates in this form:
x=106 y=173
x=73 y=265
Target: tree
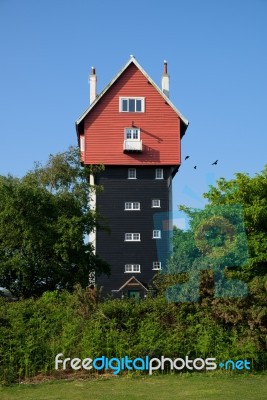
x=44 y=220
x=216 y=277
x=251 y=193
x=226 y=242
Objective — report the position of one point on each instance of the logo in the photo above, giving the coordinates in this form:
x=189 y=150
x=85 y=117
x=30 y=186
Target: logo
x=117 y=365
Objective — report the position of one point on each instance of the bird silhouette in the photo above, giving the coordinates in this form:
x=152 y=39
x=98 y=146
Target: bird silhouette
x=195 y=167
x=215 y=162
x=187 y=157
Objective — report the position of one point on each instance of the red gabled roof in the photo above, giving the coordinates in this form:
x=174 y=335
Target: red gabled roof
x=98 y=97
x=102 y=125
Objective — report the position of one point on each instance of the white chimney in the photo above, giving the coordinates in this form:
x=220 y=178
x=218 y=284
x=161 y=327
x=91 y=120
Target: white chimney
x=165 y=80
x=92 y=85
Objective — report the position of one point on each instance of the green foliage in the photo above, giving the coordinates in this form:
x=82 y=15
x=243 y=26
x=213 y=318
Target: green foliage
x=33 y=332
x=251 y=192
x=228 y=239
x=218 y=266
x=44 y=218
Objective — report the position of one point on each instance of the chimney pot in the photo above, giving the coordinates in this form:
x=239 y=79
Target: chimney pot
x=165 y=67
x=165 y=80
x=92 y=85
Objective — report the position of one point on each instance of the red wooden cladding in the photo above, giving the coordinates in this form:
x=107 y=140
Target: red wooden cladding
x=159 y=125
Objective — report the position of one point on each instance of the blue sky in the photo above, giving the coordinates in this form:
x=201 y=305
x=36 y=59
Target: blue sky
x=217 y=60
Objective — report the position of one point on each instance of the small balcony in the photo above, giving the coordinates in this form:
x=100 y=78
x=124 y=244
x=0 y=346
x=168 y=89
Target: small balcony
x=132 y=146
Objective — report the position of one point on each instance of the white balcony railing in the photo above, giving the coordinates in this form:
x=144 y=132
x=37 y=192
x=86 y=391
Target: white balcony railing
x=132 y=145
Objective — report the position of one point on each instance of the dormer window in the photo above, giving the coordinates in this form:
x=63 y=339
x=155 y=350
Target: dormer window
x=132 y=142
x=132 y=133
x=132 y=104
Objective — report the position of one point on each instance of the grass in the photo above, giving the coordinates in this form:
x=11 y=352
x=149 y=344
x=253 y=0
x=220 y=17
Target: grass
x=161 y=387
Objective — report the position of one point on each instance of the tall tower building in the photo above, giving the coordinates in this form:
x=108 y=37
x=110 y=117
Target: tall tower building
x=135 y=131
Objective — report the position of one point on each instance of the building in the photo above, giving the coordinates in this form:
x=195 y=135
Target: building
x=135 y=131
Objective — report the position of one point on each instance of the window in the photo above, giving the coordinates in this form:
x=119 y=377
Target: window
x=132 y=133
x=132 y=141
x=156 y=234
x=131 y=173
x=132 y=268
x=82 y=143
x=132 y=104
x=159 y=173
x=132 y=237
x=132 y=205
x=156 y=265
x=155 y=203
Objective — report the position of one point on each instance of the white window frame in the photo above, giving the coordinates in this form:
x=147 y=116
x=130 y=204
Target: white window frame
x=156 y=203
x=156 y=265
x=132 y=134
x=127 y=100
x=132 y=268
x=132 y=237
x=159 y=173
x=82 y=143
x=131 y=173
x=132 y=206
x=156 y=234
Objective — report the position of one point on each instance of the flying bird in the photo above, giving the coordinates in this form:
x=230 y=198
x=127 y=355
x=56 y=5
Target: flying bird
x=195 y=167
x=187 y=157
x=215 y=162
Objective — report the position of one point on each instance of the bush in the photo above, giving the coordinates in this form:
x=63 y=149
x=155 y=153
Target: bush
x=33 y=332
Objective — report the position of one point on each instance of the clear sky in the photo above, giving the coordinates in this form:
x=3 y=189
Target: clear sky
x=217 y=59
